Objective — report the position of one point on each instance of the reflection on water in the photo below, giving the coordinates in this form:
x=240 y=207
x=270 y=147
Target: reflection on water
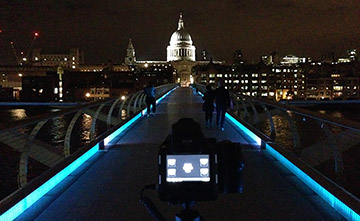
x=337 y=114
x=86 y=124
x=17 y=114
x=8 y=115
x=58 y=130
x=123 y=114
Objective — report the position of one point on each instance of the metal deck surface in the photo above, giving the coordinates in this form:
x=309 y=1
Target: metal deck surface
x=108 y=187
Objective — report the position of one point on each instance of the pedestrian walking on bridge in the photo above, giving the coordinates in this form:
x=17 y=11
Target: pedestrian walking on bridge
x=149 y=91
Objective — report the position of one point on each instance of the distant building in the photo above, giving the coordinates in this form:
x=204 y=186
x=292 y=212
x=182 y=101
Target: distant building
x=38 y=88
x=71 y=60
x=238 y=58
x=6 y=94
x=204 y=56
x=130 y=58
x=256 y=80
x=289 y=60
x=328 y=58
x=210 y=72
x=181 y=56
x=352 y=54
x=333 y=82
x=271 y=59
x=11 y=76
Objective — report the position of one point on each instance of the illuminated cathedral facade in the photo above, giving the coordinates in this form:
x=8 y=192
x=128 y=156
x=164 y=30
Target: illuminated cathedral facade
x=181 y=54
x=181 y=46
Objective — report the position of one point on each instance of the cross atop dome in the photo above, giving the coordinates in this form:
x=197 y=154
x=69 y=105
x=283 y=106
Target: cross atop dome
x=181 y=22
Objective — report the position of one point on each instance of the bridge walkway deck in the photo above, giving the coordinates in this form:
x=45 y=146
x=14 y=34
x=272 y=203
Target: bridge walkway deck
x=108 y=187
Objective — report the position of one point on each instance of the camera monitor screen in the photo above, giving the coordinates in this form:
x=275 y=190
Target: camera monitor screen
x=188 y=168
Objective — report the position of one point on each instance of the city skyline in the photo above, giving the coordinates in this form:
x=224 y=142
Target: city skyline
x=102 y=29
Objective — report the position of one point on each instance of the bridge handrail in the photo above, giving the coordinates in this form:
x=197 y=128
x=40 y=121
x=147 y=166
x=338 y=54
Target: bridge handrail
x=46 y=116
x=298 y=161
x=306 y=113
x=26 y=136
x=333 y=136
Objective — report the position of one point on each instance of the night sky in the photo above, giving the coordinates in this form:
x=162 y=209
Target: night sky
x=102 y=28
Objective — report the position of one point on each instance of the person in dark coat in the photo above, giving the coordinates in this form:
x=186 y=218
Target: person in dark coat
x=222 y=101
x=149 y=91
x=208 y=105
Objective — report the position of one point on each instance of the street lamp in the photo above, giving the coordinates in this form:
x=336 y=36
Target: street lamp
x=60 y=72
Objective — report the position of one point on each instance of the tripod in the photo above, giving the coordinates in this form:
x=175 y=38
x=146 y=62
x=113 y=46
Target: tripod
x=187 y=213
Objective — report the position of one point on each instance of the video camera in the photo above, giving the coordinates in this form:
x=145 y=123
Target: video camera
x=193 y=168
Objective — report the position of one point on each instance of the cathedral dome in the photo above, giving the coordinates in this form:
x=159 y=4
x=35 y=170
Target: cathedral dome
x=180 y=36
x=181 y=46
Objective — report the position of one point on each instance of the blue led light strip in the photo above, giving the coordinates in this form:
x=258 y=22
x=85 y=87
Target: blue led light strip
x=162 y=97
x=243 y=128
x=334 y=202
x=30 y=199
x=343 y=209
x=121 y=129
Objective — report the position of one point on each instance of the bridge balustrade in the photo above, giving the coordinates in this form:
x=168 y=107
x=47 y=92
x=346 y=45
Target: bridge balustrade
x=330 y=145
x=33 y=147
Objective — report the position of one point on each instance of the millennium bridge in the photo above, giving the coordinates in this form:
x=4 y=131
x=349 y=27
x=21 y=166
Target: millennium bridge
x=90 y=162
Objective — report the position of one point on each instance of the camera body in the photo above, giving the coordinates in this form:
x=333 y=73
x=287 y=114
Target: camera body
x=193 y=168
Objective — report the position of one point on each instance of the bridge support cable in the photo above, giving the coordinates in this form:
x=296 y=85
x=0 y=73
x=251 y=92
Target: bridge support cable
x=256 y=116
x=128 y=113
x=135 y=108
x=143 y=102
x=109 y=115
x=236 y=106
x=94 y=119
x=294 y=132
x=247 y=115
x=23 y=165
x=67 y=141
x=338 y=161
x=271 y=121
x=140 y=104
